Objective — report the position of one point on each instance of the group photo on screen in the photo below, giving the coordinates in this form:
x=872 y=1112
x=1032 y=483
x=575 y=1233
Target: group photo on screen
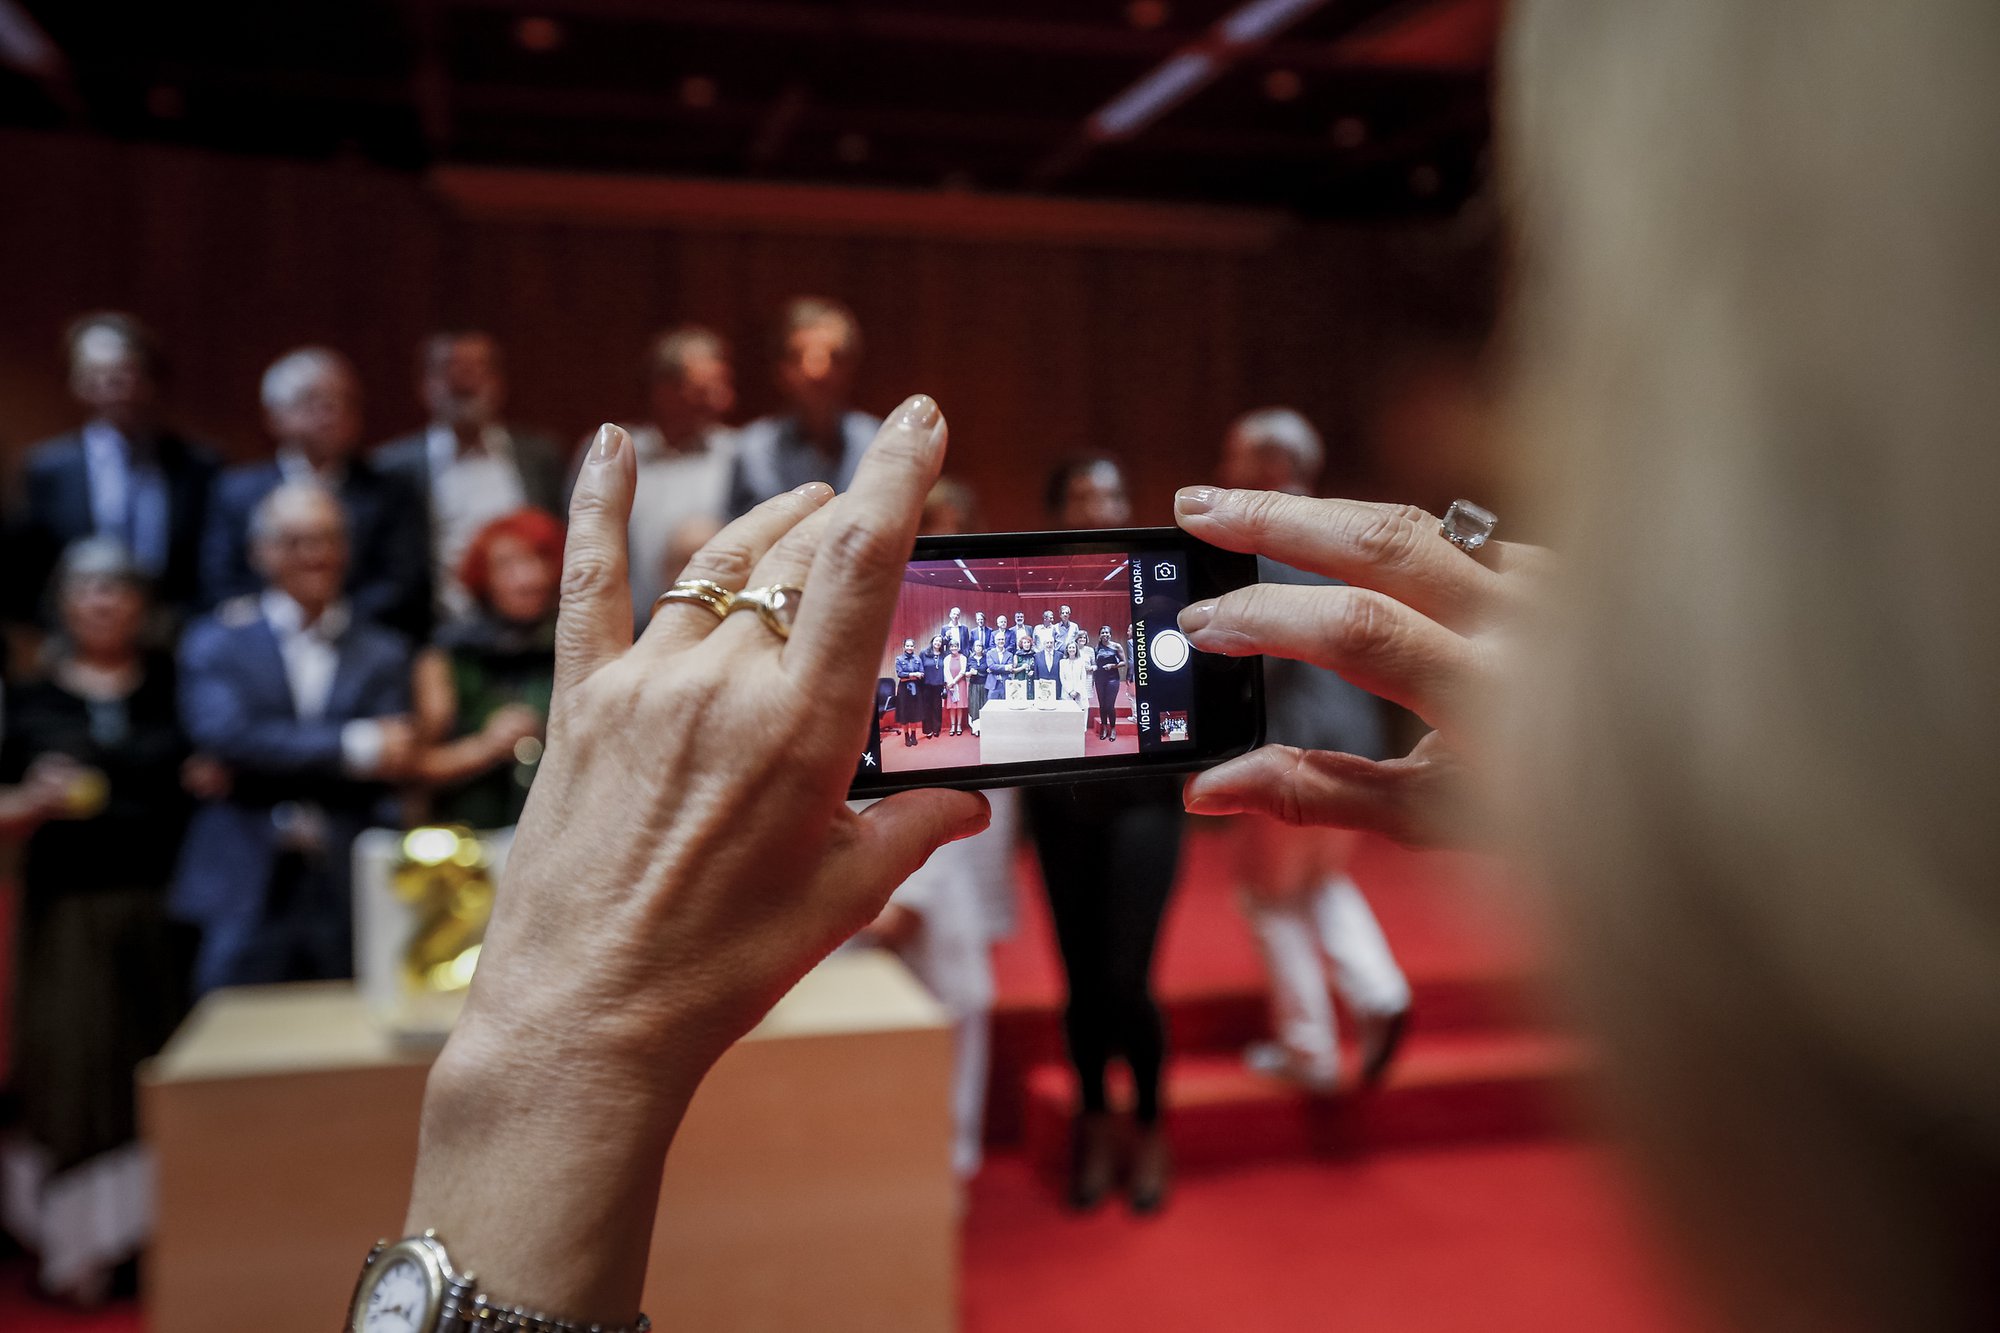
x=1005 y=661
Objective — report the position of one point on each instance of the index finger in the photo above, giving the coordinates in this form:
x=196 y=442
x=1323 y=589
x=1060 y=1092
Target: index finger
x=1397 y=550
x=594 y=613
x=857 y=572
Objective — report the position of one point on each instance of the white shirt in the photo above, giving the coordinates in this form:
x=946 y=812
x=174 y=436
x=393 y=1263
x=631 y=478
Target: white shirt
x=311 y=655
x=295 y=467
x=673 y=489
x=468 y=491
x=1045 y=637
x=128 y=498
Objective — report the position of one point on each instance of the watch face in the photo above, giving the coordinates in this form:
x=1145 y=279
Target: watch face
x=399 y=1300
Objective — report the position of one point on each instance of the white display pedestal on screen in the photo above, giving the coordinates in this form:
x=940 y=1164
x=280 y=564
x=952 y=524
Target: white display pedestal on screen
x=1020 y=735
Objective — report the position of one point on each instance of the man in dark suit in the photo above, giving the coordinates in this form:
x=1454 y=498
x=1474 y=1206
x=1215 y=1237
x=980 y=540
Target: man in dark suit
x=306 y=706
x=1048 y=663
x=818 y=436
x=123 y=474
x=312 y=403
x=468 y=465
x=955 y=633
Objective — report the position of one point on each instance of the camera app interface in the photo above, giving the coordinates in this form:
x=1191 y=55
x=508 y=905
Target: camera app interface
x=1034 y=659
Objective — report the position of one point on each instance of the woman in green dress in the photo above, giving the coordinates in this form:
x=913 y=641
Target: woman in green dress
x=482 y=688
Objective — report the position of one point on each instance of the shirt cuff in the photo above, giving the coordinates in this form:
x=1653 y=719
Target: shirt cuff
x=361 y=746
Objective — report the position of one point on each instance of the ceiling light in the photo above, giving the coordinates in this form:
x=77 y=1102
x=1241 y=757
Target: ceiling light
x=1146 y=14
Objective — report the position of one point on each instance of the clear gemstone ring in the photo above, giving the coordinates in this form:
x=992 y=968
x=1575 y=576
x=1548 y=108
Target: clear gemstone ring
x=776 y=605
x=1468 y=526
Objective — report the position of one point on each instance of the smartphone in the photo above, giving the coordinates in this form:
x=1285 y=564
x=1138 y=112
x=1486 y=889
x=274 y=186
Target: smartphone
x=1082 y=671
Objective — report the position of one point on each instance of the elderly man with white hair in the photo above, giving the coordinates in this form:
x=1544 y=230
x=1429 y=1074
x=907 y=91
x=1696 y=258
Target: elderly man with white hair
x=312 y=407
x=307 y=706
x=1305 y=909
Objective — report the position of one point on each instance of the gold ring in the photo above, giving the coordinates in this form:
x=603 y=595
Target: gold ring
x=699 y=592
x=776 y=605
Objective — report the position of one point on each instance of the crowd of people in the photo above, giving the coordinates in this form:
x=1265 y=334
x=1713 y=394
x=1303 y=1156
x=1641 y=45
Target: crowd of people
x=219 y=675
x=941 y=689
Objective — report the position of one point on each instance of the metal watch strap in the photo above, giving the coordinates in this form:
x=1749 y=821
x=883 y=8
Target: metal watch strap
x=466 y=1309
x=481 y=1314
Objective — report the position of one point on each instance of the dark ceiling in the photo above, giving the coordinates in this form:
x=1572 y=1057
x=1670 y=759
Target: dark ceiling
x=1346 y=107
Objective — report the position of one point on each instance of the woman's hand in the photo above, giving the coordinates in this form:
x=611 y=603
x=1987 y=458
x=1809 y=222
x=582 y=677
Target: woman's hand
x=685 y=857
x=1421 y=623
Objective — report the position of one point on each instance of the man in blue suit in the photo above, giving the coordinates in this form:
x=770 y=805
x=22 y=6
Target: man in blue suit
x=312 y=403
x=1048 y=662
x=306 y=707
x=123 y=474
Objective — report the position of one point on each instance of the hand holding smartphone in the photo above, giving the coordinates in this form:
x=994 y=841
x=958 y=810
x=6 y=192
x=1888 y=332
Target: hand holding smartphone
x=1025 y=658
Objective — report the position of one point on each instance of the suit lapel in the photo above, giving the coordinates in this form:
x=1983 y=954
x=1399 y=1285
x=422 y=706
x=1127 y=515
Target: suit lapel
x=348 y=674
x=263 y=644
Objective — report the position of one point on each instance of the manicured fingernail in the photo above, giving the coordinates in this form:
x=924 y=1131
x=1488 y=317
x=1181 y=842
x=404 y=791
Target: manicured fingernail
x=1194 y=619
x=919 y=412
x=1206 y=805
x=1195 y=499
x=610 y=439
x=816 y=491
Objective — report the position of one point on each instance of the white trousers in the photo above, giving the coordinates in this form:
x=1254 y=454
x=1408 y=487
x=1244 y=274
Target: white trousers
x=1302 y=935
x=970 y=1053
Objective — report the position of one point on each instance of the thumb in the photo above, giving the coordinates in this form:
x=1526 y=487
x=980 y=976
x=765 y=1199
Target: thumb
x=899 y=833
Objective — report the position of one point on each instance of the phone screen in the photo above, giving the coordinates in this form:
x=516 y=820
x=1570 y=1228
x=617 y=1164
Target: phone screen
x=1064 y=657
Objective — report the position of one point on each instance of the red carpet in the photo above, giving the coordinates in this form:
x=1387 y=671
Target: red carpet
x=1441 y=1204
x=1495 y=1239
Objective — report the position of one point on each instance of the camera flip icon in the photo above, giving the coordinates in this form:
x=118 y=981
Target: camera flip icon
x=1164 y=572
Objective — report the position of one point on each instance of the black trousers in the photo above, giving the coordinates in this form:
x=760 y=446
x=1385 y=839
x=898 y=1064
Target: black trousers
x=932 y=697
x=1109 y=853
x=307 y=933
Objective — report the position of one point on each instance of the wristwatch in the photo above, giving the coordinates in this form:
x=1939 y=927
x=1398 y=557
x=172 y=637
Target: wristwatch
x=409 y=1286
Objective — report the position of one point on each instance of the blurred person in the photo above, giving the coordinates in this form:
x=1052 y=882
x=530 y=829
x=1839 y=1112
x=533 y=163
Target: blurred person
x=931 y=688
x=950 y=507
x=976 y=645
x=1066 y=629
x=1023 y=668
x=686 y=454
x=308 y=707
x=481 y=692
x=1751 y=747
x=1304 y=908
x=93 y=764
x=999 y=665
x=1107 y=667
x=469 y=465
x=123 y=474
x=1109 y=853
x=909 y=692
x=1073 y=673
x=954 y=631
x=1046 y=633
x=1048 y=659
x=818 y=436
x=312 y=407
x=955 y=687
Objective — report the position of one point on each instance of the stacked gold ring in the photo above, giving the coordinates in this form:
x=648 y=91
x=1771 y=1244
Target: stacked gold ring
x=699 y=592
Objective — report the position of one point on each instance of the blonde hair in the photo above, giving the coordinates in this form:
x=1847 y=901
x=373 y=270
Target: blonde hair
x=1758 y=345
